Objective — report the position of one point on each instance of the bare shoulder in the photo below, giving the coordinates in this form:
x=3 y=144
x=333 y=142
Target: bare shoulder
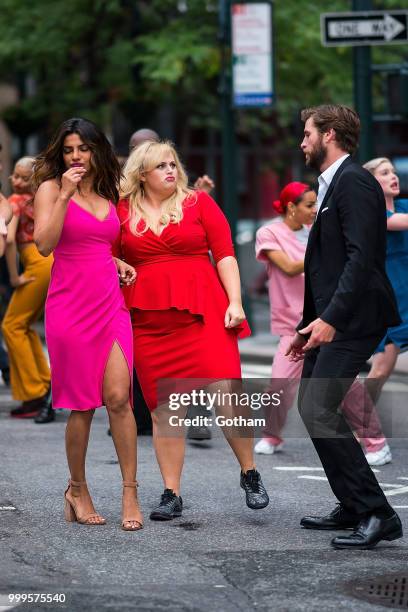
x=47 y=191
x=49 y=187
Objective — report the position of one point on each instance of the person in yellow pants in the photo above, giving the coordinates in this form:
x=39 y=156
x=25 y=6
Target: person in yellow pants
x=29 y=370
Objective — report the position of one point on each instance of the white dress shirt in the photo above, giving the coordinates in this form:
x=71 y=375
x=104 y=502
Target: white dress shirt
x=326 y=178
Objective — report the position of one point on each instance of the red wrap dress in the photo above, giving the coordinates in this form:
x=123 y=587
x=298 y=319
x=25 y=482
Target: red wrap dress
x=177 y=302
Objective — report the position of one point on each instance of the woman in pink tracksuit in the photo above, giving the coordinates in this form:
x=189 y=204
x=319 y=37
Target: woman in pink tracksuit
x=282 y=245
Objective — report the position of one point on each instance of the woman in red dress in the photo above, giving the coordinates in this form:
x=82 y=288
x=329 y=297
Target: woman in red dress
x=186 y=313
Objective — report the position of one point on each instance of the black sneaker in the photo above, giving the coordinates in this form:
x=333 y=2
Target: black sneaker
x=199 y=432
x=170 y=506
x=256 y=495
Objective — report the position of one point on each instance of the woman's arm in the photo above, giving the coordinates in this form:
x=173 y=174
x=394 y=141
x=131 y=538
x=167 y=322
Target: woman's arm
x=229 y=276
x=5 y=209
x=397 y=222
x=50 y=207
x=16 y=279
x=11 y=250
x=6 y=214
x=219 y=239
x=284 y=263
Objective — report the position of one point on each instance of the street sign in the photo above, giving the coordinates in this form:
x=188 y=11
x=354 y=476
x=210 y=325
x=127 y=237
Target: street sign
x=251 y=25
x=364 y=28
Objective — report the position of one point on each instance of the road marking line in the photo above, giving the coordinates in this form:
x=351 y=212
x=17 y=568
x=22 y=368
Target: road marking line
x=402 y=478
x=314 y=477
x=396 y=491
x=300 y=468
x=304 y=468
x=389 y=484
x=399 y=507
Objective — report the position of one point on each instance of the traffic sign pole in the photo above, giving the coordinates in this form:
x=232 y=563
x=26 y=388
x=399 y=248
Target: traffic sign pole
x=363 y=90
x=229 y=145
x=362 y=28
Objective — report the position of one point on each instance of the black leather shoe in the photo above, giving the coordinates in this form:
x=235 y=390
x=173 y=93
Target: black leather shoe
x=24 y=411
x=256 y=495
x=199 y=432
x=45 y=415
x=369 y=532
x=170 y=506
x=339 y=518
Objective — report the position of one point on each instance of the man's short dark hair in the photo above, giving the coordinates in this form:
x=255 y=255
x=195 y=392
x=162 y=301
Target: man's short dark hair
x=342 y=119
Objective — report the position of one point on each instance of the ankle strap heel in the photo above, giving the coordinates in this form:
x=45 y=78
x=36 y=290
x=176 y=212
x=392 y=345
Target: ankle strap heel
x=129 y=522
x=70 y=508
x=131 y=483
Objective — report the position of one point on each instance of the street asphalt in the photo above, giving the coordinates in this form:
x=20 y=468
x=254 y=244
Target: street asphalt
x=219 y=555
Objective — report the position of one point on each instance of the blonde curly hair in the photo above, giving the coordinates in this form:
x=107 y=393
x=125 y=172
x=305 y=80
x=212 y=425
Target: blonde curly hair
x=145 y=158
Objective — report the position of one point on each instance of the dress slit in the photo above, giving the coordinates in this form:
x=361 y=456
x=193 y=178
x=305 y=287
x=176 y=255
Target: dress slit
x=130 y=372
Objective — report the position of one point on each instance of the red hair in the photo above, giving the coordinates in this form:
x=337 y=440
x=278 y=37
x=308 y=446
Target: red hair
x=293 y=192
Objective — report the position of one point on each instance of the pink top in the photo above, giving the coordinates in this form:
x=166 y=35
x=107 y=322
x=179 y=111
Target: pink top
x=285 y=292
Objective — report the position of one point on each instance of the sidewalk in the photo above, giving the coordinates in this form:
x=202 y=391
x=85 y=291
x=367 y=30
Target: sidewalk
x=261 y=348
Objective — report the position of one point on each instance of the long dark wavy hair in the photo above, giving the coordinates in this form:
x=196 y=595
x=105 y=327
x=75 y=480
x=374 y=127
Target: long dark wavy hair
x=106 y=169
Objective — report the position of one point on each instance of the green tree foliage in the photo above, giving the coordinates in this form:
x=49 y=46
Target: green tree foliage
x=90 y=56
x=76 y=52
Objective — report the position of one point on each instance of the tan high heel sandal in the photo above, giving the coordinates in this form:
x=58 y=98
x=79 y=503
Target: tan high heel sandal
x=127 y=519
x=70 y=512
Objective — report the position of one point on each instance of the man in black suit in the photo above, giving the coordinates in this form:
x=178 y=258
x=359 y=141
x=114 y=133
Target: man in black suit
x=348 y=305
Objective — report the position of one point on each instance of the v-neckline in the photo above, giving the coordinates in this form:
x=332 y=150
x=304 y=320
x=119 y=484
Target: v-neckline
x=161 y=233
x=89 y=213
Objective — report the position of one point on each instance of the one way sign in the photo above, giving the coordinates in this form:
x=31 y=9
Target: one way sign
x=364 y=28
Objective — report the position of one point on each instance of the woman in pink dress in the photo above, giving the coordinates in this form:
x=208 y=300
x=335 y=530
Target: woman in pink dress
x=282 y=245
x=88 y=329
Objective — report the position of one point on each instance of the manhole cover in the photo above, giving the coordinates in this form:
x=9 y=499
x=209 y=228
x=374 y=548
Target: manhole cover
x=390 y=590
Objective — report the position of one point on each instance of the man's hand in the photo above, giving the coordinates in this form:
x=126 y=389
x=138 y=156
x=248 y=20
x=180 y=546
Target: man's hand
x=321 y=333
x=204 y=183
x=295 y=351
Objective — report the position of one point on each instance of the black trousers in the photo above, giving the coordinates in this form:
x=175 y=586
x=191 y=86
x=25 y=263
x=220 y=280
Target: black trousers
x=328 y=373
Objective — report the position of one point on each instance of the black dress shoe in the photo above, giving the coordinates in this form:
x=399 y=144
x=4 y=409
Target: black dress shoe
x=339 y=518
x=369 y=532
x=199 y=432
x=256 y=495
x=31 y=408
x=24 y=411
x=171 y=505
x=45 y=415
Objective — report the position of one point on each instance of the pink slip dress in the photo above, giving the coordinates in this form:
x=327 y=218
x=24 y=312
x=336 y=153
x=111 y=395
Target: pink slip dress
x=85 y=312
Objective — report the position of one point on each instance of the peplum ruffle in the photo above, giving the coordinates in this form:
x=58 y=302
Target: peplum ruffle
x=190 y=283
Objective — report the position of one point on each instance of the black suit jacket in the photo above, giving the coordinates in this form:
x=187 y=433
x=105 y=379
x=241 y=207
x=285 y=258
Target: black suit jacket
x=345 y=280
